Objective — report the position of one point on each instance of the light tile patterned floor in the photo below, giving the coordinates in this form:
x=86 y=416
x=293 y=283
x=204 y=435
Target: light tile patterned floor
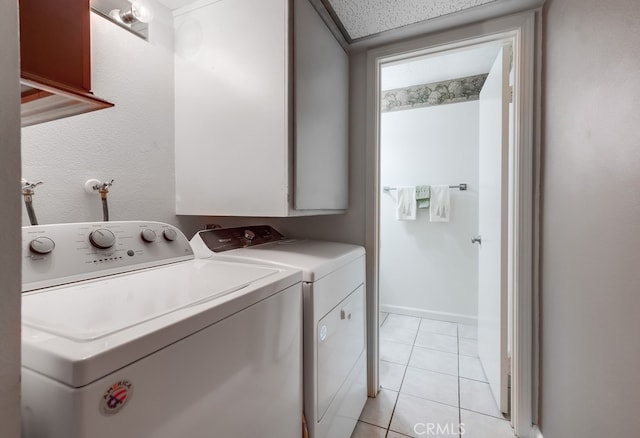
x=430 y=376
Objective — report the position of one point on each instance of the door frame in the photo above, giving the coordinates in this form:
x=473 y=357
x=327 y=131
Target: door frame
x=524 y=30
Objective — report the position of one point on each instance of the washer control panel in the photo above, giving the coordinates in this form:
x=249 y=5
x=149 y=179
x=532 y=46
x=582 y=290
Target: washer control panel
x=63 y=253
x=225 y=239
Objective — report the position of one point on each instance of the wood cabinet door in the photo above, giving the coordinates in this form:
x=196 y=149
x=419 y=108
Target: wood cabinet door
x=55 y=42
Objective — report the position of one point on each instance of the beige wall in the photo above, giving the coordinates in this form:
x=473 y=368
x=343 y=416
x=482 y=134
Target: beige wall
x=591 y=220
x=10 y=223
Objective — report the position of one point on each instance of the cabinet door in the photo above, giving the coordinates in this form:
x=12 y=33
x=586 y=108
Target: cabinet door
x=55 y=60
x=54 y=41
x=232 y=108
x=321 y=122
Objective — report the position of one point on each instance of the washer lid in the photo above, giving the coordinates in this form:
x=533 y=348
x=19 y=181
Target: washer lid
x=316 y=258
x=94 y=309
x=78 y=333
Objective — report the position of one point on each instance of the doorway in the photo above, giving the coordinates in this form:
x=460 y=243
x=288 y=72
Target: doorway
x=429 y=136
x=516 y=247
x=441 y=161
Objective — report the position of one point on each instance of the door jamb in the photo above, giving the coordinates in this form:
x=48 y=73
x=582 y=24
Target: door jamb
x=524 y=29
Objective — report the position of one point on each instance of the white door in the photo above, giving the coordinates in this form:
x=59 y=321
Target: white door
x=492 y=223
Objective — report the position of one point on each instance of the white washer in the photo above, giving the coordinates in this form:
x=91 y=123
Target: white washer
x=126 y=334
x=333 y=284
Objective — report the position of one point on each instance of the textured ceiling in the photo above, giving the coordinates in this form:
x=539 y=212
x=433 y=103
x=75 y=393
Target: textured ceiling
x=360 y=18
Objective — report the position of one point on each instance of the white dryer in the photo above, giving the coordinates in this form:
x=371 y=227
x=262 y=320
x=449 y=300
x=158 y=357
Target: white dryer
x=126 y=334
x=334 y=339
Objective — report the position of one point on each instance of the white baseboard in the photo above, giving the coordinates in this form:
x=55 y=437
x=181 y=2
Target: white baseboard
x=424 y=313
x=535 y=432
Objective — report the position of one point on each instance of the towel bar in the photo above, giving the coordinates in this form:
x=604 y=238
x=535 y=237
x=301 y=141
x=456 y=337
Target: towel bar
x=461 y=186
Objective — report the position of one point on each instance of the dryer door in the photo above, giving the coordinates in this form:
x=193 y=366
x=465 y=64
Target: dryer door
x=341 y=340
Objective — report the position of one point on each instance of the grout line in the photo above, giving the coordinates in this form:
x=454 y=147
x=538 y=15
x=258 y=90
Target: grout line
x=488 y=415
x=467 y=355
x=430 y=400
x=393 y=411
x=475 y=380
x=394 y=407
x=437 y=372
x=459 y=379
x=435 y=349
x=383 y=320
x=396 y=432
x=403 y=376
x=371 y=424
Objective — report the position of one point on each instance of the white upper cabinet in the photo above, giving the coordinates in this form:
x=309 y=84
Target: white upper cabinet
x=261 y=102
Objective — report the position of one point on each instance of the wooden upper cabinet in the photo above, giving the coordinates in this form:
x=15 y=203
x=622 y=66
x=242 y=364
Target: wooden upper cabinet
x=55 y=51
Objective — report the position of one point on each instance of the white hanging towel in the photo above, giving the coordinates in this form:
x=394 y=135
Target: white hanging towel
x=406 y=203
x=440 y=208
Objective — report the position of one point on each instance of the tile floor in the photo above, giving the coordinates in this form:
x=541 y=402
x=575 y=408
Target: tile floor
x=430 y=376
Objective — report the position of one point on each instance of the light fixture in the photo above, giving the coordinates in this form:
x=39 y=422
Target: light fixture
x=132 y=15
x=138 y=12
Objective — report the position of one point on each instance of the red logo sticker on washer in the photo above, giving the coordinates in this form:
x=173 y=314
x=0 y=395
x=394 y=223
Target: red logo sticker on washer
x=116 y=397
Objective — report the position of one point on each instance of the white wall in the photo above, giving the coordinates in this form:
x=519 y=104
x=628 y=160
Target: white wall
x=430 y=269
x=131 y=142
x=10 y=237
x=590 y=285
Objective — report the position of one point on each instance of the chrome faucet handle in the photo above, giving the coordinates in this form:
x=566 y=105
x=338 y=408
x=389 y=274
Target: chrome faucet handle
x=28 y=186
x=103 y=186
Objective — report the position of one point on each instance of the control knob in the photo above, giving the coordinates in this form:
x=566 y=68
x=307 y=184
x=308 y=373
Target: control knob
x=170 y=234
x=148 y=235
x=248 y=237
x=102 y=238
x=42 y=245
